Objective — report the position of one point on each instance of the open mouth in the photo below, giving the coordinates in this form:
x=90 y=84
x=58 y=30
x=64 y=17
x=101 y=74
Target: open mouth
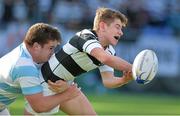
x=117 y=37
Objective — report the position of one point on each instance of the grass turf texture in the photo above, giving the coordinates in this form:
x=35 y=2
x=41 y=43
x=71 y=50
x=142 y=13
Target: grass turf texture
x=124 y=104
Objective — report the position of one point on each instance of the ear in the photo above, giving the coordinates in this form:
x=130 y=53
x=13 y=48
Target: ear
x=102 y=26
x=36 y=46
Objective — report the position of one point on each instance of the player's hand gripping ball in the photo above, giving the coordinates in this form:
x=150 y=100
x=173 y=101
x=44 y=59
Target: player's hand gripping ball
x=145 y=66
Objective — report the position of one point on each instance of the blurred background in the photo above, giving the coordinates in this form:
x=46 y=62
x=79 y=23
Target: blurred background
x=153 y=24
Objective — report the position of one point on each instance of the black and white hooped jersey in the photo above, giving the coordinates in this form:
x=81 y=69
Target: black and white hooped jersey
x=74 y=58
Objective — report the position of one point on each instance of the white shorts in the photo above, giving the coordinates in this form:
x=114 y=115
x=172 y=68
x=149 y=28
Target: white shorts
x=46 y=92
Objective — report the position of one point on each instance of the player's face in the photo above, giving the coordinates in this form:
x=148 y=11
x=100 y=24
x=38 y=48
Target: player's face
x=114 y=32
x=46 y=51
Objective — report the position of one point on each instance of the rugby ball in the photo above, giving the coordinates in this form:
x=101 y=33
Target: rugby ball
x=145 y=66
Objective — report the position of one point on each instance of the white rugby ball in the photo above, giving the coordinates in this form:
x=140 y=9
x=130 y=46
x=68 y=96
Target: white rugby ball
x=145 y=66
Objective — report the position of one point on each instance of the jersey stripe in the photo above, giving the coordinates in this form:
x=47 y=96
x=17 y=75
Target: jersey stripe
x=67 y=61
x=95 y=61
x=48 y=73
x=83 y=61
x=23 y=71
x=69 y=49
x=62 y=72
x=90 y=43
x=77 y=42
x=32 y=90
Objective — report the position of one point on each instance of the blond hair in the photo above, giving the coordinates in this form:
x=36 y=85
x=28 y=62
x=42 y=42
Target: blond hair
x=108 y=15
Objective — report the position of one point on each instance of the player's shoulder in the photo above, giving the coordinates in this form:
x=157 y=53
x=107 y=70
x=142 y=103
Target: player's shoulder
x=87 y=34
x=24 y=61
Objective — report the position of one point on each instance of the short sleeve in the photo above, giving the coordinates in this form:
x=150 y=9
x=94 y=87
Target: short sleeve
x=91 y=44
x=28 y=78
x=85 y=41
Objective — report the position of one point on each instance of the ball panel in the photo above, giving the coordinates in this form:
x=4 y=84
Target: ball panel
x=145 y=66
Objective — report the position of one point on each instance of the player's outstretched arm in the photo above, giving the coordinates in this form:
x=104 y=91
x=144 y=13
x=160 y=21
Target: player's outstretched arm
x=41 y=103
x=110 y=81
x=110 y=60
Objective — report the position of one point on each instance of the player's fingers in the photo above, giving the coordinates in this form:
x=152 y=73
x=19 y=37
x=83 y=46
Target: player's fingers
x=54 y=90
x=50 y=82
x=57 y=84
x=60 y=82
x=57 y=90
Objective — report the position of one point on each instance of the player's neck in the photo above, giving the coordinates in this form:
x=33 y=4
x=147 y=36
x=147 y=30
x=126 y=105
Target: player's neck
x=32 y=53
x=102 y=39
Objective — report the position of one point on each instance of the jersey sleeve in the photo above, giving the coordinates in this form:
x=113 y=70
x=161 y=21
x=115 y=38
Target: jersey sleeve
x=91 y=44
x=28 y=78
x=85 y=41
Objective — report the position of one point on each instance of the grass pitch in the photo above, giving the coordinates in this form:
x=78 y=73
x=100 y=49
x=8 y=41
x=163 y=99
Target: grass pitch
x=123 y=104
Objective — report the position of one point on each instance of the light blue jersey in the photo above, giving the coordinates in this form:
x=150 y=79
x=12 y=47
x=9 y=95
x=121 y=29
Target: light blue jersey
x=18 y=75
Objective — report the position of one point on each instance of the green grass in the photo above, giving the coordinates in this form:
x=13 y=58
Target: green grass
x=124 y=104
x=137 y=104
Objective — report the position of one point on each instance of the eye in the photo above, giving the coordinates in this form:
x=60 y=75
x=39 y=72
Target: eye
x=118 y=27
x=52 y=48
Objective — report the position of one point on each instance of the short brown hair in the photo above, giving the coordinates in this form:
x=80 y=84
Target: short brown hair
x=42 y=33
x=108 y=15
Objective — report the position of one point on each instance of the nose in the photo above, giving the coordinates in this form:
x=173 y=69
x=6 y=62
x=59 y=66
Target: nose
x=120 y=32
